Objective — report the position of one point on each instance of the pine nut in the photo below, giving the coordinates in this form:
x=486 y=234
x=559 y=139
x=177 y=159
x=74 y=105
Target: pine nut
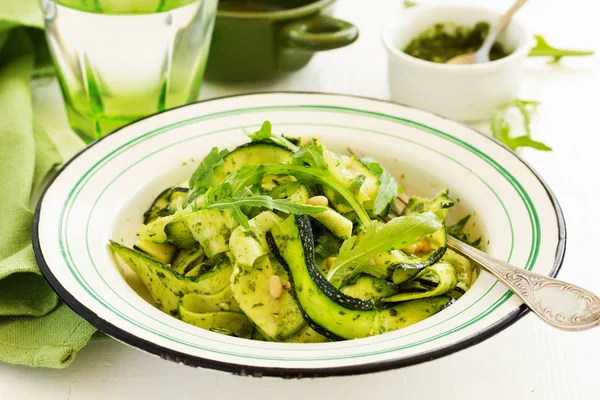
x=425 y=245
x=286 y=285
x=330 y=261
x=372 y=261
x=412 y=249
x=418 y=246
x=318 y=201
x=275 y=288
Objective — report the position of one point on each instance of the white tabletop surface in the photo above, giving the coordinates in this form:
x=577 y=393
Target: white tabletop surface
x=527 y=361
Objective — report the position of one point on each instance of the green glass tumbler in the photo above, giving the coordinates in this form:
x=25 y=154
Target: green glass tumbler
x=118 y=61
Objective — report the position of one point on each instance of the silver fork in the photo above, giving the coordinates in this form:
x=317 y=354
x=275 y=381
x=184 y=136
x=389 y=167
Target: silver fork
x=563 y=305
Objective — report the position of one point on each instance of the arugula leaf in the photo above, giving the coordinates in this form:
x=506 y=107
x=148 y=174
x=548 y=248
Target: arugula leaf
x=284 y=190
x=311 y=154
x=265 y=201
x=204 y=177
x=204 y=174
x=458 y=227
x=252 y=174
x=398 y=233
x=388 y=190
x=308 y=166
x=456 y=231
x=357 y=183
x=348 y=244
x=409 y=4
x=501 y=128
x=239 y=202
x=388 y=186
x=372 y=165
x=265 y=134
x=543 y=49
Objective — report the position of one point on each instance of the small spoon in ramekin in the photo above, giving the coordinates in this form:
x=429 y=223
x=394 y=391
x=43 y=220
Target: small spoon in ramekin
x=483 y=54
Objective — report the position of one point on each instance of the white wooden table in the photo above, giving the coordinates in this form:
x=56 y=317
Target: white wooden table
x=527 y=361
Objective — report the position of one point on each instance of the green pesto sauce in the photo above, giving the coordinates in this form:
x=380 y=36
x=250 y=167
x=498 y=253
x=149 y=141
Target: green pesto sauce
x=441 y=42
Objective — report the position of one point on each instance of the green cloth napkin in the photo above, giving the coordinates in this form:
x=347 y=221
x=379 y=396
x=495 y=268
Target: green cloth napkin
x=36 y=328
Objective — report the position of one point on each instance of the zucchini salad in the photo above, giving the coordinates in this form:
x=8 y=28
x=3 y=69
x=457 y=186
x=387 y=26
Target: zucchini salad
x=281 y=239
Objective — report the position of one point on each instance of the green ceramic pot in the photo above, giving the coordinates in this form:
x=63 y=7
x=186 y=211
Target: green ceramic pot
x=250 y=45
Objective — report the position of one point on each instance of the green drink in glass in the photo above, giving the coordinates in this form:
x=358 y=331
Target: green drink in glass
x=120 y=60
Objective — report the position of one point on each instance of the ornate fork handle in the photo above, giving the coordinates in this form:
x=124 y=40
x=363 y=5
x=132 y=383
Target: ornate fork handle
x=562 y=305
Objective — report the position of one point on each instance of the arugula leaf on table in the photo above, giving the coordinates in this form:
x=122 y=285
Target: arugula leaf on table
x=398 y=233
x=456 y=231
x=204 y=177
x=265 y=134
x=388 y=186
x=543 y=49
x=239 y=202
x=501 y=128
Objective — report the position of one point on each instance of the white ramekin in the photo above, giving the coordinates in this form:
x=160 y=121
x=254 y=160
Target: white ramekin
x=464 y=92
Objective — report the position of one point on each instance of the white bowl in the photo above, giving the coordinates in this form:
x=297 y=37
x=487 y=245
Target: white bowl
x=464 y=92
x=102 y=193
